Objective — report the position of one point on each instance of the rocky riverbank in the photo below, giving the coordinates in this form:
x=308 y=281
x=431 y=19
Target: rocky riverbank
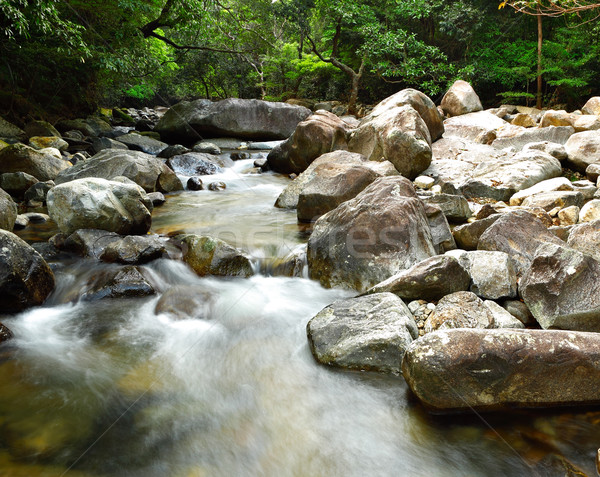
x=438 y=217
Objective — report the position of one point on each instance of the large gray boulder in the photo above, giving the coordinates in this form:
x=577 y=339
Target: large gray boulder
x=318 y=134
x=502 y=179
x=288 y=199
x=420 y=102
x=21 y=158
x=562 y=289
x=8 y=211
x=549 y=185
x=331 y=185
x=552 y=200
x=365 y=240
x=398 y=135
x=583 y=149
x=189 y=121
x=101 y=204
x=455 y=207
x=17 y=183
x=40 y=128
x=460 y=99
x=519 y=234
x=145 y=170
x=467 y=235
x=368 y=333
x=212 y=256
x=25 y=277
x=509 y=368
x=430 y=279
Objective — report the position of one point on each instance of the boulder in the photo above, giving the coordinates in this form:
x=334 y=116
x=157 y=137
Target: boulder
x=465 y=150
x=8 y=211
x=580 y=122
x=586 y=238
x=101 y=204
x=40 y=128
x=90 y=127
x=320 y=133
x=44 y=142
x=582 y=149
x=430 y=279
x=519 y=310
x=38 y=192
x=368 y=333
x=509 y=368
x=552 y=148
x=137 y=142
x=242 y=118
x=195 y=183
x=467 y=235
x=500 y=180
x=568 y=216
x=455 y=207
x=519 y=234
x=518 y=138
x=88 y=242
x=441 y=235
x=5 y=333
x=207 y=148
x=478 y=127
x=524 y=120
x=135 y=250
x=123 y=282
x=553 y=200
x=217 y=185
x=492 y=274
x=25 y=278
x=21 y=158
x=398 y=135
x=194 y=163
x=450 y=174
x=157 y=198
x=461 y=309
x=365 y=240
x=212 y=256
x=549 y=185
x=590 y=211
x=500 y=317
x=288 y=199
x=420 y=102
x=145 y=170
x=174 y=150
x=592 y=106
x=562 y=288
x=9 y=130
x=101 y=143
x=332 y=184
x=460 y=99
x=17 y=183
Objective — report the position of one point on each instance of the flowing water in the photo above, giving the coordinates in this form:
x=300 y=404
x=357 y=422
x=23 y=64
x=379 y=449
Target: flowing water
x=110 y=388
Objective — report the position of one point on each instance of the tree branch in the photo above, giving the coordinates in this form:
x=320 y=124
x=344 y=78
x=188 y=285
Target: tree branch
x=195 y=47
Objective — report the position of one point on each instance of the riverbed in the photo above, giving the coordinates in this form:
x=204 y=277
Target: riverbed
x=111 y=388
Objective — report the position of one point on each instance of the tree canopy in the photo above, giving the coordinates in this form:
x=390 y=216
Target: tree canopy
x=69 y=56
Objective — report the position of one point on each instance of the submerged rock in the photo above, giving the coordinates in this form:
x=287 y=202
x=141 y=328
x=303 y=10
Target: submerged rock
x=25 y=278
x=369 y=332
x=123 y=282
x=183 y=302
x=463 y=369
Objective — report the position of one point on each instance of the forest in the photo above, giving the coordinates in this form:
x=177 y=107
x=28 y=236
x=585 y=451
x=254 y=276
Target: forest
x=67 y=57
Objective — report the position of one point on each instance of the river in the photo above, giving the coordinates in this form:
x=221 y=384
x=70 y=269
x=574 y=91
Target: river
x=110 y=388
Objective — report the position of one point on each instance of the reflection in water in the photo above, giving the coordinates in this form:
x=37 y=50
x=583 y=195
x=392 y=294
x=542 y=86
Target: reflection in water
x=113 y=389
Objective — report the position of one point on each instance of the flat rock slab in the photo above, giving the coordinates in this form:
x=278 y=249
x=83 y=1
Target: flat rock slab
x=370 y=333
x=518 y=138
x=461 y=369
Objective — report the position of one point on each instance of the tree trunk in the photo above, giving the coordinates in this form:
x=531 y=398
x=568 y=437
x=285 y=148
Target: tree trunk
x=539 y=62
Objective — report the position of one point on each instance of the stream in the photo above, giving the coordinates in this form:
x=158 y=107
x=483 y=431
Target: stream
x=109 y=388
